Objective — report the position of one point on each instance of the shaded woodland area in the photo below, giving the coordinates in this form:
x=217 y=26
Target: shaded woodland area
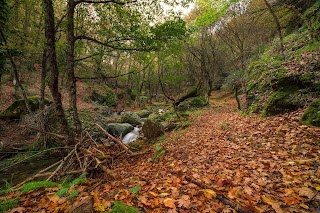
x=117 y=102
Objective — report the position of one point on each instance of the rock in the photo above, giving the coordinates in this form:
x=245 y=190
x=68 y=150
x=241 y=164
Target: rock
x=108 y=99
x=152 y=129
x=18 y=108
x=131 y=118
x=170 y=126
x=156 y=117
x=312 y=114
x=86 y=205
x=117 y=129
x=144 y=113
x=199 y=101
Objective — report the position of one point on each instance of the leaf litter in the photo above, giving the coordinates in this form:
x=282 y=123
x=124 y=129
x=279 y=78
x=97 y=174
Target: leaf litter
x=264 y=164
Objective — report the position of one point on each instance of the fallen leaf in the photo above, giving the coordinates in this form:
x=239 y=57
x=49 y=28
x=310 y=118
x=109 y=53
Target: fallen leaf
x=164 y=194
x=153 y=194
x=306 y=192
x=208 y=193
x=169 y=202
x=233 y=192
x=272 y=203
x=18 y=210
x=184 y=201
x=247 y=190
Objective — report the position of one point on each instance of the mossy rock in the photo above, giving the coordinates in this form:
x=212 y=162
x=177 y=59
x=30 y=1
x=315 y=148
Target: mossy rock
x=157 y=117
x=283 y=101
x=109 y=98
x=117 y=129
x=18 y=107
x=312 y=114
x=152 y=129
x=144 y=113
x=196 y=102
x=131 y=118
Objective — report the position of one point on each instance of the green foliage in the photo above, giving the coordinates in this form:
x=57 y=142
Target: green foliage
x=6 y=205
x=7 y=188
x=120 y=207
x=67 y=185
x=73 y=194
x=135 y=190
x=36 y=185
x=312 y=18
x=159 y=151
x=212 y=11
x=199 y=101
x=312 y=114
x=4 y=13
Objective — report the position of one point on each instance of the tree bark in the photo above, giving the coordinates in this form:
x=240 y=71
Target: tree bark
x=279 y=28
x=53 y=67
x=15 y=72
x=43 y=77
x=70 y=66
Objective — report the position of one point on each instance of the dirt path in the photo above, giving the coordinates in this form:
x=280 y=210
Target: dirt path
x=266 y=164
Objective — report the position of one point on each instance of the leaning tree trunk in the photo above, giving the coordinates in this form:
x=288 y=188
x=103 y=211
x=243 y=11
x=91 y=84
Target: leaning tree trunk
x=70 y=66
x=15 y=72
x=279 y=28
x=53 y=67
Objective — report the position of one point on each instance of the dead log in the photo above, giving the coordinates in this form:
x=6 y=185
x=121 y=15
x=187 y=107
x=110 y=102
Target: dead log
x=222 y=198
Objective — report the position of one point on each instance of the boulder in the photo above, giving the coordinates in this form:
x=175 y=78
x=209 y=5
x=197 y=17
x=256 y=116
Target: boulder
x=18 y=108
x=199 y=101
x=152 y=129
x=131 y=118
x=117 y=129
x=144 y=113
x=312 y=114
x=157 y=117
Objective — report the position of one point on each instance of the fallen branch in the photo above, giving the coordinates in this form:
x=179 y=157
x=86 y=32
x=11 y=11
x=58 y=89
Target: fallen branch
x=115 y=139
x=223 y=199
x=61 y=164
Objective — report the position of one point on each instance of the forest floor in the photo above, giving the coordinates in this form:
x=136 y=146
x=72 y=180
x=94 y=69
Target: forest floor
x=264 y=164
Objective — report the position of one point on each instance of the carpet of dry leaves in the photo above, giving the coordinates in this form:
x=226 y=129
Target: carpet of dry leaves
x=265 y=164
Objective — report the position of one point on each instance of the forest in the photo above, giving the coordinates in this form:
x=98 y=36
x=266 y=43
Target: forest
x=160 y=106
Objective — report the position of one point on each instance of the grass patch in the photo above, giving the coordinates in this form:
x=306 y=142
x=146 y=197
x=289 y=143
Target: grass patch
x=135 y=190
x=36 y=185
x=67 y=185
x=7 y=188
x=225 y=126
x=120 y=207
x=6 y=205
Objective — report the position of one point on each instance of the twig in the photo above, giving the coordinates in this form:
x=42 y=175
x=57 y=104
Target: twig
x=39 y=174
x=116 y=140
x=61 y=164
x=221 y=197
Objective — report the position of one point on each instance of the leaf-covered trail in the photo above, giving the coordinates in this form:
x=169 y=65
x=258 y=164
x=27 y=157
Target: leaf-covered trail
x=270 y=164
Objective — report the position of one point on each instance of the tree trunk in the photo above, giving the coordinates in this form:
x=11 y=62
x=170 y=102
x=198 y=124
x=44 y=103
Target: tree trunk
x=15 y=72
x=53 y=67
x=43 y=77
x=279 y=28
x=70 y=66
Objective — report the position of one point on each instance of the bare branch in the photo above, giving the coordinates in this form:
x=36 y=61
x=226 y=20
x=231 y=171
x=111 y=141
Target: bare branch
x=104 y=2
x=107 y=44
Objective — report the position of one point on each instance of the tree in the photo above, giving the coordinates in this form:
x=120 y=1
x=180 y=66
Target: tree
x=50 y=33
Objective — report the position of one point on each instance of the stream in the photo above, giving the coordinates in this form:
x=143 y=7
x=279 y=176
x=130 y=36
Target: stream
x=20 y=172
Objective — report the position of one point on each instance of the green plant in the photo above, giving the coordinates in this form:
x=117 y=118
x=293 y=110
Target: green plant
x=66 y=185
x=73 y=194
x=36 y=185
x=135 y=190
x=120 y=207
x=159 y=151
x=7 y=188
x=6 y=205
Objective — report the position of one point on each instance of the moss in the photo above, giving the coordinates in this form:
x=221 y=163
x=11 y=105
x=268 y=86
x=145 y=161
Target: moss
x=283 y=101
x=312 y=114
x=36 y=185
x=120 y=207
x=6 y=205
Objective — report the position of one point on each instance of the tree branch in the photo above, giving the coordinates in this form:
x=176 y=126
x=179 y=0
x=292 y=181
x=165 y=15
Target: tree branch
x=107 y=44
x=104 y=2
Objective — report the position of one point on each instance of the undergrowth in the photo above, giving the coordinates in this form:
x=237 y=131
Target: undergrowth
x=120 y=207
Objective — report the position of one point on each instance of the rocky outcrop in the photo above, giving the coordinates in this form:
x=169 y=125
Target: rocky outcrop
x=118 y=129
x=152 y=129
